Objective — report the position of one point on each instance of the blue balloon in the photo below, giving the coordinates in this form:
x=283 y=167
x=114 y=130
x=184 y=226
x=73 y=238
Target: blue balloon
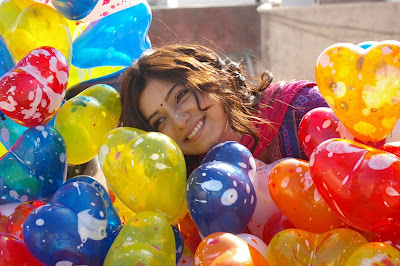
x=71 y=228
x=6 y=57
x=179 y=243
x=74 y=9
x=367 y=44
x=220 y=198
x=115 y=40
x=113 y=220
x=10 y=131
x=35 y=166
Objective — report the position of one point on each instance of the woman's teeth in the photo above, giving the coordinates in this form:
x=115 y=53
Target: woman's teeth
x=195 y=130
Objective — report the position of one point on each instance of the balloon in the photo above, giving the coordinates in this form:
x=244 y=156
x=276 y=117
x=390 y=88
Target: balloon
x=3 y=150
x=299 y=247
x=265 y=207
x=392 y=147
x=6 y=58
x=190 y=233
x=146 y=239
x=395 y=134
x=123 y=211
x=392 y=238
x=321 y=124
x=34 y=168
x=255 y=242
x=105 y=8
x=85 y=119
x=113 y=220
x=151 y=162
x=294 y=193
x=36 y=26
x=374 y=253
x=12 y=217
x=71 y=228
x=9 y=12
x=74 y=9
x=115 y=40
x=32 y=91
x=178 y=243
x=362 y=87
x=360 y=183
x=275 y=224
x=227 y=249
x=10 y=131
x=186 y=260
x=14 y=252
x=220 y=198
x=87 y=77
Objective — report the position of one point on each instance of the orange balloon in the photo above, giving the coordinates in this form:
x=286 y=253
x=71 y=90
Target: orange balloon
x=362 y=86
x=227 y=249
x=293 y=191
x=299 y=247
x=375 y=253
x=189 y=232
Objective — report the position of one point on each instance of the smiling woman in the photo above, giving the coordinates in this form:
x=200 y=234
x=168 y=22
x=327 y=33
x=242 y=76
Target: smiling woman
x=199 y=100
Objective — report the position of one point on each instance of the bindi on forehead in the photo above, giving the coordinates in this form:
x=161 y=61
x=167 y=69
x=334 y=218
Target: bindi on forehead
x=161 y=104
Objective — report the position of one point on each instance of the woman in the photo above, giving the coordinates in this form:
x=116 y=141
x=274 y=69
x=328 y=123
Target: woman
x=199 y=100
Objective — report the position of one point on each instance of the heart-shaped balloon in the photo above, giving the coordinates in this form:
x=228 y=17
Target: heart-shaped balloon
x=10 y=131
x=108 y=7
x=85 y=119
x=33 y=90
x=321 y=124
x=375 y=253
x=293 y=191
x=190 y=233
x=275 y=224
x=115 y=40
x=6 y=58
x=146 y=239
x=362 y=86
x=179 y=245
x=227 y=249
x=360 y=183
x=299 y=247
x=12 y=217
x=74 y=9
x=221 y=196
x=35 y=167
x=38 y=25
x=14 y=252
x=71 y=228
x=392 y=147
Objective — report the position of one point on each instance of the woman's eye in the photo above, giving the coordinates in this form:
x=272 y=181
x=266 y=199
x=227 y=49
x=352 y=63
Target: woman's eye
x=157 y=123
x=180 y=95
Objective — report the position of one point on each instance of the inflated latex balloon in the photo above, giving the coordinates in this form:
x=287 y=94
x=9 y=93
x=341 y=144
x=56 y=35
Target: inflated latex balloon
x=74 y=9
x=179 y=244
x=3 y=150
x=293 y=191
x=321 y=124
x=71 y=228
x=375 y=253
x=299 y=247
x=186 y=260
x=227 y=249
x=190 y=233
x=150 y=162
x=255 y=242
x=105 y=8
x=12 y=217
x=34 y=168
x=123 y=211
x=146 y=239
x=362 y=87
x=6 y=58
x=395 y=134
x=277 y=223
x=10 y=131
x=32 y=91
x=14 y=252
x=37 y=25
x=116 y=40
x=85 y=119
x=392 y=147
x=266 y=207
x=113 y=220
x=360 y=183
x=220 y=198
x=9 y=12
x=79 y=75
x=392 y=238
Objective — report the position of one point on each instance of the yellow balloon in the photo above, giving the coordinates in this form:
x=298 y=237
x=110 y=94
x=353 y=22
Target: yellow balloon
x=39 y=25
x=146 y=173
x=3 y=149
x=123 y=212
x=78 y=75
x=9 y=12
x=375 y=253
x=146 y=239
x=85 y=119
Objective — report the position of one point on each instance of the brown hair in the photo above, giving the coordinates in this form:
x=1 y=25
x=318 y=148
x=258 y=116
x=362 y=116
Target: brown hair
x=199 y=68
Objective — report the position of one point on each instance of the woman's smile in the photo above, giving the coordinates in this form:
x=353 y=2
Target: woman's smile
x=196 y=132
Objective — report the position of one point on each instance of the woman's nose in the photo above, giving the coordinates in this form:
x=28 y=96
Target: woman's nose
x=180 y=119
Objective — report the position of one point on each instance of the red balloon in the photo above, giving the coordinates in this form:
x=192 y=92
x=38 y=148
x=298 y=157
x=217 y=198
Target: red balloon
x=32 y=91
x=12 y=217
x=14 y=252
x=392 y=147
x=321 y=124
x=190 y=233
x=392 y=238
x=277 y=223
x=360 y=183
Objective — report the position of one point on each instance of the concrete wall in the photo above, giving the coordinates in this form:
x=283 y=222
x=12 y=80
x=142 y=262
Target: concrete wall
x=293 y=38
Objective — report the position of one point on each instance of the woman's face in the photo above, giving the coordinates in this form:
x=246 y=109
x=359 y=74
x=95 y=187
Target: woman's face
x=172 y=109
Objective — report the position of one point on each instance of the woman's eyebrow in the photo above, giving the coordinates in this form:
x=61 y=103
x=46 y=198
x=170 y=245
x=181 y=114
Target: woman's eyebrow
x=166 y=100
